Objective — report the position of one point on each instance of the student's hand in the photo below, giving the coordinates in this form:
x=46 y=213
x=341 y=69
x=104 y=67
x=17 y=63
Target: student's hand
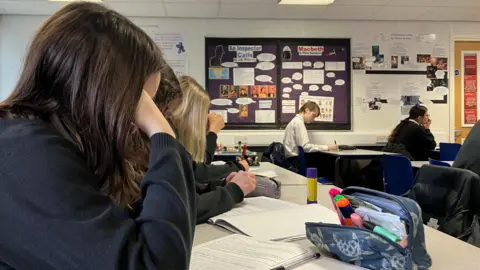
x=215 y=123
x=245 y=165
x=332 y=147
x=427 y=124
x=245 y=180
x=149 y=118
x=230 y=177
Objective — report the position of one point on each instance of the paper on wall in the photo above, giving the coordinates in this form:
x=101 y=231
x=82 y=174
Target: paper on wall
x=244 y=76
x=335 y=66
x=265 y=116
x=292 y=65
x=180 y=67
x=265 y=104
x=222 y=113
x=313 y=76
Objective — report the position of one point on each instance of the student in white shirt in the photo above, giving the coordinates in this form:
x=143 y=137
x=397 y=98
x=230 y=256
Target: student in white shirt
x=296 y=133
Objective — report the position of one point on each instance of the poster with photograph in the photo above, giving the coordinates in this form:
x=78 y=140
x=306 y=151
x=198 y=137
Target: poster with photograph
x=240 y=75
x=322 y=74
x=469 y=89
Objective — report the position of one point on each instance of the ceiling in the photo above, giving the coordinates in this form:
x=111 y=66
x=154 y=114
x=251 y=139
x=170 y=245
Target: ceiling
x=423 y=10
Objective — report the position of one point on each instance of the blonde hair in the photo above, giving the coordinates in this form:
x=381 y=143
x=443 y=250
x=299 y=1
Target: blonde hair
x=190 y=118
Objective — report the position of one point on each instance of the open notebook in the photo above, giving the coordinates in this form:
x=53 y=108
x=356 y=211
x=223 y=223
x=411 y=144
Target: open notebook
x=270 y=219
x=238 y=252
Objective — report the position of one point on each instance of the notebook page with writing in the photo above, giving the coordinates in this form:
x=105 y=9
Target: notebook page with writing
x=279 y=225
x=254 y=205
x=238 y=252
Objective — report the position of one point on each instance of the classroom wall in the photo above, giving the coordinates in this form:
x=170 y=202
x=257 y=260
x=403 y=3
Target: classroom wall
x=16 y=31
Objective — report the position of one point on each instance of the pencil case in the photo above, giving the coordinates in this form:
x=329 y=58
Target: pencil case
x=369 y=249
x=267 y=187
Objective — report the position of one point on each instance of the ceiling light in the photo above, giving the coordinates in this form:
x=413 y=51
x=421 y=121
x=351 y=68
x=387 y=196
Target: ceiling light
x=306 y=2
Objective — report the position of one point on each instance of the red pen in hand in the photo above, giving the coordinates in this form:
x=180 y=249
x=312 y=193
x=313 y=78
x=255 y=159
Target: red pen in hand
x=244 y=152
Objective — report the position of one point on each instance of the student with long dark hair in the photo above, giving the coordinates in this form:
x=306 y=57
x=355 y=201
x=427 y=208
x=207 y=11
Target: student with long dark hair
x=414 y=134
x=66 y=173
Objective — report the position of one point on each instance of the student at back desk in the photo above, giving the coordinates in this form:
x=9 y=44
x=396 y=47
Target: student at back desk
x=296 y=133
x=414 y=134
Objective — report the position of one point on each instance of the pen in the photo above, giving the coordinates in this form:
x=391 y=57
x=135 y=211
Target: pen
x=289 y=266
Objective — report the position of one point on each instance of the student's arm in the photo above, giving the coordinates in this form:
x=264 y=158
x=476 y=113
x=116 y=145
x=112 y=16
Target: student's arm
x=59 y=219
x=205 y=173
x=217 y=200
x=426 y=139
x=302 y=139
x=211 y=147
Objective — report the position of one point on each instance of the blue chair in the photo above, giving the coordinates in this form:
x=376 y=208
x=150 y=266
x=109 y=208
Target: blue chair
x=438 y=163
x=449 y=151
x=302 y=161
x=398 y=174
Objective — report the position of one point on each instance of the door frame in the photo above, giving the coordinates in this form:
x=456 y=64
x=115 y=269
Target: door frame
x=451 y=75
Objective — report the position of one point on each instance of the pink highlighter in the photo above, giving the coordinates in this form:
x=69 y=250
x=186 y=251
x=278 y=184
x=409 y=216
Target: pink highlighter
x=334 y=192
x=357 y=221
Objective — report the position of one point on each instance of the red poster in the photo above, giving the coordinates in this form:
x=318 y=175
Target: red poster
x=470 y=116
x=470 y=64
x=470 y=100
x=470 y=83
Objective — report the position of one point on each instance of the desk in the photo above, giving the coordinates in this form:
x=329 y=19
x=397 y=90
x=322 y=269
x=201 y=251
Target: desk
x=418 y=164
x=285 y=177
x=447 y=252
x=350 y=155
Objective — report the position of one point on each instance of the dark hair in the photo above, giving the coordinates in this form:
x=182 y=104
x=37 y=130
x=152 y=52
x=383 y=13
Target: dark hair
x=168 y=90
x=415 y=112
x=311 y=106
x=84 y=74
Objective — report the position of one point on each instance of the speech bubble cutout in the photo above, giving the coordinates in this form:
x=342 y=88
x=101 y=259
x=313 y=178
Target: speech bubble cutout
x=244 y=101
x=441 y=90
x=425 y=82
x=339 y=82
x=304 y=94
x=286 y=95
x=318 y=65
x=229 y=64
x=327 y=88
x=297 y=76
x=369 y=64
x=440 y=74
x=313 y=88
x=233 y=110
x=356 y=60
x=266 y=57
x=265 y=66
x=371 y=59
x=264 y=78
x=286 y=80
x=307 y=64
x=221 y=102
x=287 y=90
x=297 y=87
x=331 y=75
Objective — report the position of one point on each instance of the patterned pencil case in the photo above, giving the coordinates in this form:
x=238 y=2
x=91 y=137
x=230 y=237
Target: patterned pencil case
x=369 y=249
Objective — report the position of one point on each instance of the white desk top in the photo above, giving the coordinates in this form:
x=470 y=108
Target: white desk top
x=285 y=177
x=356 y=153
x=418 y=164
x=447 y=252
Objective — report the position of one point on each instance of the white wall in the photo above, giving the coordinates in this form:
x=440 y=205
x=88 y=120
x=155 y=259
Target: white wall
x=16 y=31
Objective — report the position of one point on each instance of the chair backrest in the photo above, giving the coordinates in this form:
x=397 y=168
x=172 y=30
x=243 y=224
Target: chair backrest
x=449 y=151
x=398 y=174
x=302 y=161
x=438 y=163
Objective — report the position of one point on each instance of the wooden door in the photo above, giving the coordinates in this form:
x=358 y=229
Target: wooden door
x=467 y=62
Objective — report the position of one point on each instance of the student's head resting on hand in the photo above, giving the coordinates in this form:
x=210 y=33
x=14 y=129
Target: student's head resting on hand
x=84 y=74
x=309 y=111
